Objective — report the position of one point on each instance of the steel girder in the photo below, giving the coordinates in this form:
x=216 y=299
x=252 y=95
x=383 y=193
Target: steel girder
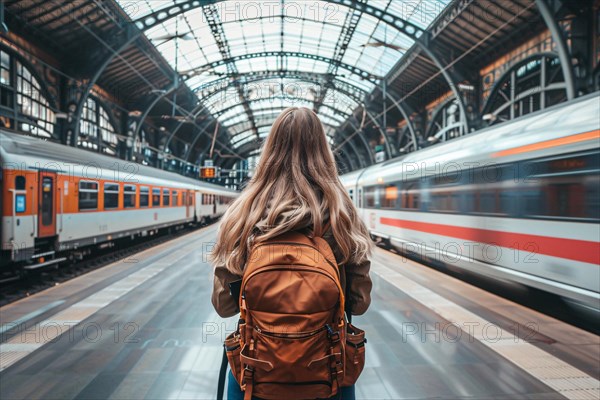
x=348 y=29
x=421 y=37
x=151 y=105
x=406 y=112
x=216 y=27
x=197 y=137
x=354 y=92
x=193 y=115
x=278 y=97
x=407 y=28
x=292 y=54
x=363 y=141
x=263 y=125
x=130 y=35
x=246 y=148
x=561 y=46
x=115 y=53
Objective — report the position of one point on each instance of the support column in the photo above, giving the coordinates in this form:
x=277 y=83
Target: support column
x=561 y=46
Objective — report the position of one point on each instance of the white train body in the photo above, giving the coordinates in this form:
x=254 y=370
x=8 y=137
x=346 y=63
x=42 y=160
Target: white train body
x=519 y=201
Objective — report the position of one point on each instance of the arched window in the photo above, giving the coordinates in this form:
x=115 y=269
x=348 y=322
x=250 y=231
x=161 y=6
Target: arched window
x=528 y=86
x=445 y=123
x=31 y=112
x=33 y=105
x=96 y=129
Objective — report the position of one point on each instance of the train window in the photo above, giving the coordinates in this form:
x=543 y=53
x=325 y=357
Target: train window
x=88 y=195
x=468 y=202
x=565 y=200
x=592 y=197
x=166 y=197
x=438 y=201
x=19 y=182
x=129 y=192
x=111 y=195
x=20 y=198
x=144 y=196
x=155 y=197
x=370 y=197
x=184 y=199
x=414 y=201
x=175 y=198
x=390 y=195
x=508 y=202
x=487 y=202
x=531 y=202
x=191 y=200
x=410 y=196
x=360 y=198
x=46 y=203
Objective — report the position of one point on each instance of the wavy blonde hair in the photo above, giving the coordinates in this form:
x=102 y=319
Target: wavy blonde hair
x=296 y=171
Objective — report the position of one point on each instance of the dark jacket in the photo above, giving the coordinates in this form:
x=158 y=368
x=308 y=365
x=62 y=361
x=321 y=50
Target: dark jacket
x=354 y=278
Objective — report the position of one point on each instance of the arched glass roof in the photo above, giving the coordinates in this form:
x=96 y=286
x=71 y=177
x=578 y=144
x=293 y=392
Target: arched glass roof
x=248 y=60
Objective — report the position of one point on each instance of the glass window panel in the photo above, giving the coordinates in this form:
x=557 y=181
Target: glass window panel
x=33 y=105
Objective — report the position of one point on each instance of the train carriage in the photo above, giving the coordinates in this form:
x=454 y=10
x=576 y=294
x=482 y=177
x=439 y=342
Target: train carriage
x=59 y=201
x=519 y=201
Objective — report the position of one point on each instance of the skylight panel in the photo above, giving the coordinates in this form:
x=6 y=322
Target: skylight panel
x=313 y=28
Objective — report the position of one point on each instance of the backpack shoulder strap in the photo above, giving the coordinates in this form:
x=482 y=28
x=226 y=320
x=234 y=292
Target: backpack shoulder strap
x=222 y=372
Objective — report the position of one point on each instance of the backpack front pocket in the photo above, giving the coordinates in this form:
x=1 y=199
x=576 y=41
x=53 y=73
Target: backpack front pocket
x=233 y=349
x=355 y=354
x=303 y=359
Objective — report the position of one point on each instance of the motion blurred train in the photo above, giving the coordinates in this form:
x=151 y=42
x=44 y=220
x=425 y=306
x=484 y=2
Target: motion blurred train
x=519 y=201
x=60 y=202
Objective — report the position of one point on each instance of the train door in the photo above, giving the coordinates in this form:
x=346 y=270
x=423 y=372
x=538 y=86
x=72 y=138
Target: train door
x=46 y=206
x=189 y=203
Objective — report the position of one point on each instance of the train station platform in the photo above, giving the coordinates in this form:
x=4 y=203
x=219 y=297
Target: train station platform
x=144 y=328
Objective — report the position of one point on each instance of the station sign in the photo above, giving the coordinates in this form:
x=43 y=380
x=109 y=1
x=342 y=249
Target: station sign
x=208 y=172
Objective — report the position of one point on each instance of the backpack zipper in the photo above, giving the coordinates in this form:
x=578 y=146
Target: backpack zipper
x=293 y=243
x=299 y=335
x=335 y=267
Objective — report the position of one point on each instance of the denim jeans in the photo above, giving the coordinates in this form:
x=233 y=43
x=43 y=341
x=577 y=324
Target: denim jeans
x=235 y=393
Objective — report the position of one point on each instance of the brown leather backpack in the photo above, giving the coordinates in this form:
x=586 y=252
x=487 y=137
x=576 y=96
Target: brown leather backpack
x=292 y=340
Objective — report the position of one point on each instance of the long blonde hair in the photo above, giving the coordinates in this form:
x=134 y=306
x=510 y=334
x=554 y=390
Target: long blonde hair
x=296 y=171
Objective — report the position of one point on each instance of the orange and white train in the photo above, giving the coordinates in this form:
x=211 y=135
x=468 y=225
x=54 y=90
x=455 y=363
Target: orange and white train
x=519 y=201
x=59 y=201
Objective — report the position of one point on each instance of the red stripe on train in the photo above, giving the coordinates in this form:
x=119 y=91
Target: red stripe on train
x=572 y=249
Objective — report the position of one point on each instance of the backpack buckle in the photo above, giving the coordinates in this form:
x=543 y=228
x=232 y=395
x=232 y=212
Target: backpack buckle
x=248 y=372
x=333 y=336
